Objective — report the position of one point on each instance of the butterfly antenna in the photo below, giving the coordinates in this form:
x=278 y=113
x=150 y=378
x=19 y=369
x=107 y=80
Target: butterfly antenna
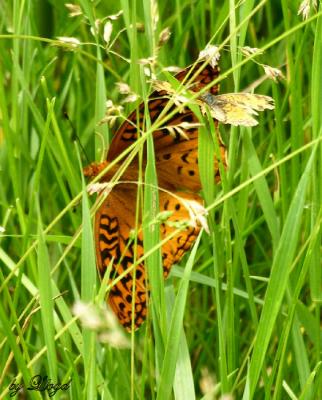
x=74 y=136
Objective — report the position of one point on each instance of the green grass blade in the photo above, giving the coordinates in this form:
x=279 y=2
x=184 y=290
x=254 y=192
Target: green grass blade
x=88 y=275
x=183 y=385
x=262 y=190
x=46 y=303
x=279 y=276
x=174 y=335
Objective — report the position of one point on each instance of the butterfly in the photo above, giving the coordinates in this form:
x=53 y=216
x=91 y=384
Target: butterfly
x=237 y=108
x=176 y=157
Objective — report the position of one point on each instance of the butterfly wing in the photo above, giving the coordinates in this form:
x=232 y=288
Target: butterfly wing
x=201 y=75
x=179 y=169
x=127 y=133
x=114 y=222
x=185 y=209
x=237 y=108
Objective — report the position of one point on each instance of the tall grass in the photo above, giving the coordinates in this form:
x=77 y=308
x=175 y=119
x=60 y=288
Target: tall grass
x=241 y=313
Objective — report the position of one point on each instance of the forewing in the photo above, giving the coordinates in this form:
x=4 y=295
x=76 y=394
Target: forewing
x=127 y=133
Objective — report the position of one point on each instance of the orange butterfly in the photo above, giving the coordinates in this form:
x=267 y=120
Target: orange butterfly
x=177 y=169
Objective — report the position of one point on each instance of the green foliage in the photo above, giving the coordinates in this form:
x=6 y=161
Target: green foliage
x=246 y=320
